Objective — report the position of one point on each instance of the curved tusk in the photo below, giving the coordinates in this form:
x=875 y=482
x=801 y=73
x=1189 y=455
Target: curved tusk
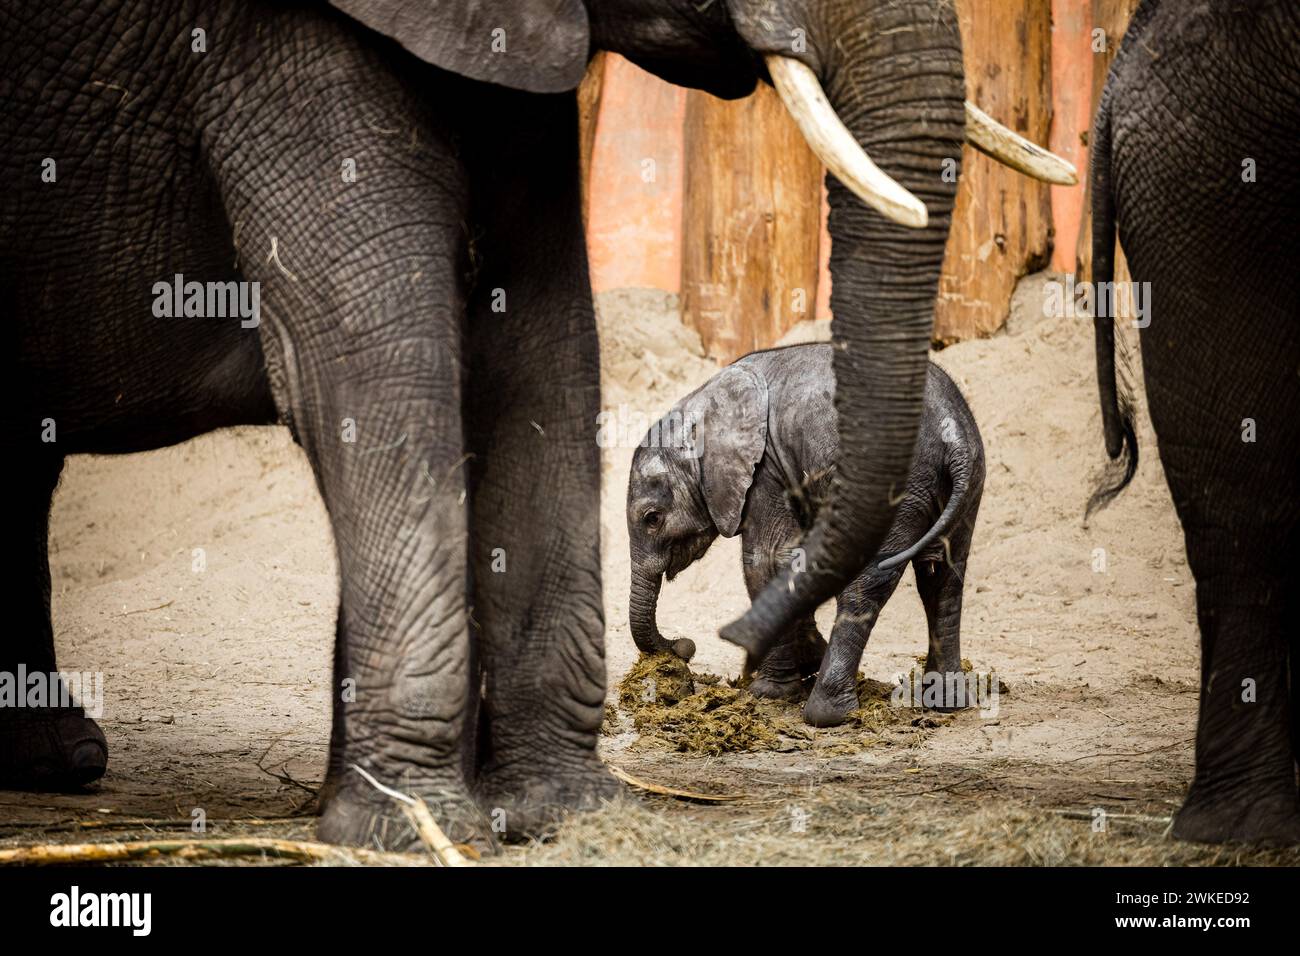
x=835 y=146
x=993 y=139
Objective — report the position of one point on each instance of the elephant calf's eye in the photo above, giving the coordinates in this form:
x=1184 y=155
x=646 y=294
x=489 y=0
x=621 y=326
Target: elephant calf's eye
x=652 y=520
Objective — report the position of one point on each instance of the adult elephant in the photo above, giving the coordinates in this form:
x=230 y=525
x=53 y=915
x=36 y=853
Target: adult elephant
x=1195 y=160
x=400 y=178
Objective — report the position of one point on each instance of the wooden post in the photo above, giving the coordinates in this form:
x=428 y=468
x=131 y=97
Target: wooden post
x=1072 y=107
x=1001 y=220
x=1112 y=16
x=634 y=234
x=750 y=223
x=589 y=95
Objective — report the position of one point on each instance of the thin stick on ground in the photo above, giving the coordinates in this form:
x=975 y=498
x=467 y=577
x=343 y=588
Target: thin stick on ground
x=178 y=823
x=417 y=811
x=672 y=791
x=53 y=854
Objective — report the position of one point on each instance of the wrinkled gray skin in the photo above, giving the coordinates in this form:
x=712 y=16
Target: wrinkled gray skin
x=1196 y=90
x=474 y=427
x=751 y=452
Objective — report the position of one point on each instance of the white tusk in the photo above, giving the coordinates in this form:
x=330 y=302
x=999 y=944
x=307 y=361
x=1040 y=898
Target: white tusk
x=835 y=146
x=993 y=139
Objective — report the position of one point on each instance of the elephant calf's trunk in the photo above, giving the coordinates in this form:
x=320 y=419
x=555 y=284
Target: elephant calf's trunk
x=643 y=604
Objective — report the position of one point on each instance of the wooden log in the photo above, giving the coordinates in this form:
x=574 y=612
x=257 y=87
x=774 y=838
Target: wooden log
x=589 y=97
x=750 y=224
x=1001 y=222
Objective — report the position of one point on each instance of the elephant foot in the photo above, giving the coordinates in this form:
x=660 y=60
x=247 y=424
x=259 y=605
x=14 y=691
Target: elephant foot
x=530 y=806
x=50 y=749
x=356 y=814
x=944 y=702
x=770 y=688
x=830 y=708
x=1270 y=819
x=784 y=674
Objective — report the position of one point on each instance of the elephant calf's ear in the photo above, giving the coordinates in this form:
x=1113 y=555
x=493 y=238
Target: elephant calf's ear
x=534 y=45
x=731 y=429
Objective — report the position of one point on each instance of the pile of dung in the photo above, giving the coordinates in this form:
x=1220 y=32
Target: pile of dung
x=674 y=709
x=717 y=719
x=875 y=713
x=655 y=679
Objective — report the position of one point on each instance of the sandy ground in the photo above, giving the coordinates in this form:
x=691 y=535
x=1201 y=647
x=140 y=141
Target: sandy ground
x=216 y=680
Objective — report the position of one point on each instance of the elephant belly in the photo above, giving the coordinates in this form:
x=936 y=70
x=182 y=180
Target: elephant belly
x=112 y=376
x=104 y=357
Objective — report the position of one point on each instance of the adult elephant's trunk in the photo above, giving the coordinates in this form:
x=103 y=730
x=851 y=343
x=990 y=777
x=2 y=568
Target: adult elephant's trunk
x=642 y=604
x=895 y=79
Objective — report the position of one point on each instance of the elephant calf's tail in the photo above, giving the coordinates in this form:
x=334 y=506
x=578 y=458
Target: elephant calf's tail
x=961 y=469
x=1116 y=391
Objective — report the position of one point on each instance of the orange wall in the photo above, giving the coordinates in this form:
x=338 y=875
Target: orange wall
x=634 y=225
x=1072 y=62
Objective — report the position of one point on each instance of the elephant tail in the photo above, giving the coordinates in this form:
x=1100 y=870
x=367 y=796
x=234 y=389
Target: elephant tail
x=1116 y=392
x=961 y=482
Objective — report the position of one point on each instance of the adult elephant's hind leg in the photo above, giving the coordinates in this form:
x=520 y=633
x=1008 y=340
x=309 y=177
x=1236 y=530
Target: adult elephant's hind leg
x=533 y=397
x=1244 y=788
x=42 y=747
x=1239 y=505
x=1240 y=522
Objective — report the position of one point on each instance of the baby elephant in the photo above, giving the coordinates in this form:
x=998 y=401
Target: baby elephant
x=751 y=451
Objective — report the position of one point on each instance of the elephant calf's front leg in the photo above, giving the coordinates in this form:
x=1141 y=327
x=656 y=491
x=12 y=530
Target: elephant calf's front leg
x=781 y=675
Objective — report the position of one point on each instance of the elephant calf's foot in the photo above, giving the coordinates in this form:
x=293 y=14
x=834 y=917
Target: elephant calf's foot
x=944 y=686
x=828 y=707
x=773 y=688
x=356 y=814
x=784 y=674
x=50 y=749
x=522 y=806
x=1270 y=818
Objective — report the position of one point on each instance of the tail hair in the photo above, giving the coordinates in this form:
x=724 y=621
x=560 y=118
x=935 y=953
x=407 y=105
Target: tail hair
x=1119 y=471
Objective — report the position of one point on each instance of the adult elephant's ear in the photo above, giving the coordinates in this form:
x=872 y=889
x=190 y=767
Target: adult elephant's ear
x=535 y=45
x=727 y=424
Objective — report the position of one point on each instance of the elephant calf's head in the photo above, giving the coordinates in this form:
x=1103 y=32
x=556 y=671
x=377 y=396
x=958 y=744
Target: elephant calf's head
x=689 y=483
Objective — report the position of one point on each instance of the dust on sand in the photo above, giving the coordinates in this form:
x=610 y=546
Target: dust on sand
x=217 y=661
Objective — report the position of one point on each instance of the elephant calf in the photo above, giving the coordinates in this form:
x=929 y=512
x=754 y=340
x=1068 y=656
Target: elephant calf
x=753 y=451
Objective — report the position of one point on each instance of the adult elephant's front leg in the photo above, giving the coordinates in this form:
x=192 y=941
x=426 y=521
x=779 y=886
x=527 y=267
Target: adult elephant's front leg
x=532 y=400
x=361 y=323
